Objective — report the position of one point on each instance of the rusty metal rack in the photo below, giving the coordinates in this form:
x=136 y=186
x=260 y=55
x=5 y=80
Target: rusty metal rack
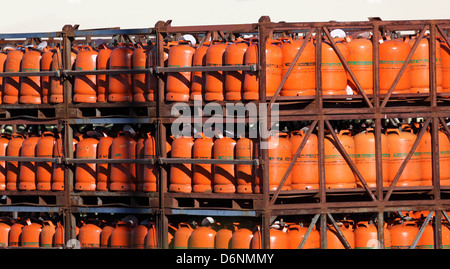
x=318 y=112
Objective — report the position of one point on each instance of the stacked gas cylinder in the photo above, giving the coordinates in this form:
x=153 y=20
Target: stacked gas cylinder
x=127 y=232
x=243 y=85
x=31 y=232
x=219 y=85
x=87 y=88
x=228 y=178
x=19 y=175
x=398 y=234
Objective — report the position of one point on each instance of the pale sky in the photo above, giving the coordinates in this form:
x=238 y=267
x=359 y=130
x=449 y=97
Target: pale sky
x=51 y=15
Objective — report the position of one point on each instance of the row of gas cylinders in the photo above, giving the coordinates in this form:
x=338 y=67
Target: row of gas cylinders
x=88 y=176
x=280 y=53
x=90 y=234
x=229 y=178
x=87 y=88
x=362 y=235
x=218 y=85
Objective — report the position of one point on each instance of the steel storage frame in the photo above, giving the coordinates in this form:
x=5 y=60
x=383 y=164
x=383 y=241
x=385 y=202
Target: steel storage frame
x=320 y=110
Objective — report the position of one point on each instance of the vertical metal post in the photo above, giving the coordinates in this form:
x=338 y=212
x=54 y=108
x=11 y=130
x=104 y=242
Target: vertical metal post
x=162 y=223
x=263 y=35
x=435 y=136
x=68 y=135
x=378 y=146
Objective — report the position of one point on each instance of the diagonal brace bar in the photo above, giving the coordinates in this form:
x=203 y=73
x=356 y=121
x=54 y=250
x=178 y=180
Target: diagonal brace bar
x=293 y=161
x=349 y=160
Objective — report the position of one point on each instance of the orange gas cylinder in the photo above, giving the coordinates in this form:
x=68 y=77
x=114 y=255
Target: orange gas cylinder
x=27 y=170
x=150 y=171
x=420 y=67
x=178 y=84
x=15 y=234
x=202 y=173
x=359 y=60
x=4 y=141
x=444 y=160
x=152 y=81
x=59 y=236
x=338 y=173
x=198 y=78
x=346 y=227
x=139 y=61
x=305 y=173
x=334 y=76
x=223 y=237
x=280 y=156
x=181 y=236
x=234 y=80
x=123 y=175
x=424 y=149
x=105 y=236
x=245 y=174
x=58 y=169
x=120 y=86
x=44 y=170
x=89 y=236
x=86 y=173
x=365 y=156
x=278 y=239
x=181 y=174
x=12 y=168
x=46 y=65
x=30 y=234
x=4 y=234
x=56 y=83
x=241 y=239
x=121 y=235
x=399 y=144
x=296 y=233
x=104 y=169
x=85 y=86
x=103 y=57
x=426 y=241
x=392 y=55
x=139 y=155
x=224 y=174
x=202 y=238
x=403 y=234
x=138 y=234
x=47 y=234
x=214 y=80
x=302 y=79
x=30 y=87
x=445 y=59
x=274 y=61
x=12 y=84
x=2 y=69
x=151 y=240
x=366 y=236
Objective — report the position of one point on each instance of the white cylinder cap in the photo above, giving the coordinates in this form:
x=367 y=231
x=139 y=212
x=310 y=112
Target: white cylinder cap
x=338 y=33
x=189 y=38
